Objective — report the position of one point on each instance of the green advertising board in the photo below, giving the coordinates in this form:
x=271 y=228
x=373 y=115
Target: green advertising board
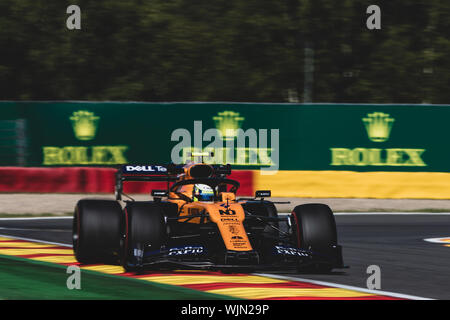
x=356 y=137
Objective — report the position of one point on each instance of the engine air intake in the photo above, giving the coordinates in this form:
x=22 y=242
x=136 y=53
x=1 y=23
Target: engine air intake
x=201 y=171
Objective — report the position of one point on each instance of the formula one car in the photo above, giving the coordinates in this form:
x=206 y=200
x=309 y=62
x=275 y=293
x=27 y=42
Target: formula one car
x=199 y=223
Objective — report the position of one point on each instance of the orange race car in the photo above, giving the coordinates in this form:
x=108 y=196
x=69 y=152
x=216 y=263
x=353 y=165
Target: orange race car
x=198 y=223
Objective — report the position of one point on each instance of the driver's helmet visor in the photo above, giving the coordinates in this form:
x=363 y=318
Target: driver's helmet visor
x=203 y=192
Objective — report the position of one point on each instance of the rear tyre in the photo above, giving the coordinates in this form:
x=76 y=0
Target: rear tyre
x=145 y=230
x=314 y=228
x=97 y=231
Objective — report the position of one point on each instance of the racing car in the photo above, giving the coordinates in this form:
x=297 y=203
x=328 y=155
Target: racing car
x=198 y=222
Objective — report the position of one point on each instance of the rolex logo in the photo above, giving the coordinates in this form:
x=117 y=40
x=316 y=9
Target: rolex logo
x=84 y=124
x=227 y=122
x=378 y=126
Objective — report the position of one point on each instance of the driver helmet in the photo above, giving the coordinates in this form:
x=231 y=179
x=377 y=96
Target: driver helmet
x=203 y=192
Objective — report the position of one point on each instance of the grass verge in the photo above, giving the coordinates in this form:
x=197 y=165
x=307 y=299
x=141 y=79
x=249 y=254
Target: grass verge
x=25 y=279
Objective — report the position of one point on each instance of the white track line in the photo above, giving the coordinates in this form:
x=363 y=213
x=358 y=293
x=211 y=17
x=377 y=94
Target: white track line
x=36 y=218
x=336 y=285
x=438 y=240
x=36 y=240
x=392 y=213
x=30 y=229
x=384 y=213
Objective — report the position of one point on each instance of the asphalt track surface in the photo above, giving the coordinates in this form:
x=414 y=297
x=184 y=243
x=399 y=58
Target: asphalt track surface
x=394 y=242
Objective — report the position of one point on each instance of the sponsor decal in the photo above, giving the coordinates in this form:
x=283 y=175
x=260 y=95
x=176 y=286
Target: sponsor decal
x=227 y=212
x=233 y=229
x=229 y=219
x=70 y=155
x=378 y=127
x=230 y=144
x=236 y=240
x=228 y=122
x=238 y=243
x=84 y=125
x=159 y=193
x=263 y=194
x=133 y=169
x=138 y=252
x=377 y=157
x=291 y=251
x=187 y=250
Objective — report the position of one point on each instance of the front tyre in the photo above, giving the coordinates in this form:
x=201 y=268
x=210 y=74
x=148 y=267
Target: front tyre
x=314 y=228
x=97 y=231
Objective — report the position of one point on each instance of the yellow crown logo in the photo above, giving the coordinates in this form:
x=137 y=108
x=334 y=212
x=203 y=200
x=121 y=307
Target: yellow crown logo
x=227 y=122
x=378 y=126
x=84 y=124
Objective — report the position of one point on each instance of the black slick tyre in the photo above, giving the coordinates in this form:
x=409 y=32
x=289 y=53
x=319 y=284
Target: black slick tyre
x=97 y=231
x=314 y=228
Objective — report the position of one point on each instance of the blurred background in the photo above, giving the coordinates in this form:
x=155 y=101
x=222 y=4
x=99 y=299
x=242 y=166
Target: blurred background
x=241 y=50
x=311 y=68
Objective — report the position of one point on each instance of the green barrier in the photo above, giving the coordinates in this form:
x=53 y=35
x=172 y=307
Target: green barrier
x=311 y=137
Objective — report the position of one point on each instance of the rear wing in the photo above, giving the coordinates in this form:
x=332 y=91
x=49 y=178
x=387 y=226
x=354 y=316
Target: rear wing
x=145 y=173
x=148 y=173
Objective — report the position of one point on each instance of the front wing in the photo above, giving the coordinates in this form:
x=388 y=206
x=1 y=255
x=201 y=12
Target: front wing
x=198 y=257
